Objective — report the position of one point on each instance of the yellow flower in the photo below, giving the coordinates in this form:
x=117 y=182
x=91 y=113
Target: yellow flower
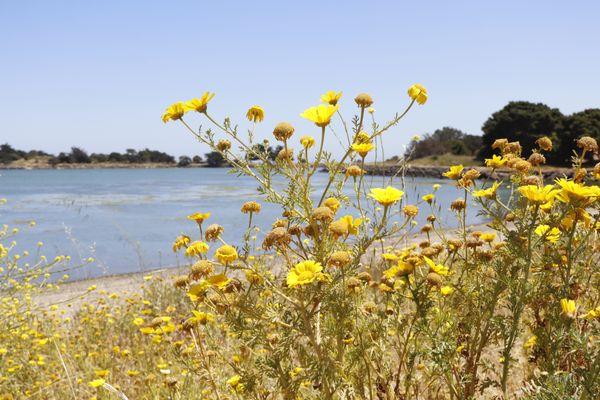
x=439 y=269
x=386 y=197
x=101 y=373
x=235 y=384
x=551 y=235
x=255 y=114
x=174 y=112
x=226 y=254
x=306 y=272
x=410 y=210
x=400 y=269
x=181 y=242
x=576 y=192
x=346 y=225
x=201 y=318
x=332 y=203
x=199 y=217
x=592 y=314
x=307 y=141
x=488 y=237
x=495 y=162
x=446 y=290
x=454 y=172
x=489 y=193
x=331 y=97
x=538 y=195
x=96 y=383
x=320 y=115
x=363 y=148
x=418 y=93
x=196 y=248
x=428 y=198
x=219 y=281
x=530 y=343
x=200 y=104
x=569 y=307
x=198 y=290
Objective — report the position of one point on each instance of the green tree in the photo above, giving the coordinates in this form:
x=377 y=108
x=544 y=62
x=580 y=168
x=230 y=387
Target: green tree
x=521 y=121
x=583 y=123
x=443 y=141
x=214 y=159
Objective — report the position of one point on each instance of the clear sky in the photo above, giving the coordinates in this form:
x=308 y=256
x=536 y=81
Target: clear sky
x=98 y=74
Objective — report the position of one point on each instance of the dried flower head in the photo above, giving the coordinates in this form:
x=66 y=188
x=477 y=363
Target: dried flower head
x=339 y=259
x=499 y=144
x=200 y=269
x=363 y=100
x=354 y=171
x=588 y=144
x=223 y=145
x=278 y=237
x=283 y=131
x=250 y=207
x=536 y=159
x=213 y=232
x=544 y=143
x=322 y=214
x=458 y=205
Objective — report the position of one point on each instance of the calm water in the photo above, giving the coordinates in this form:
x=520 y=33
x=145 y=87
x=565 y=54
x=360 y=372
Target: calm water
x=127 y=218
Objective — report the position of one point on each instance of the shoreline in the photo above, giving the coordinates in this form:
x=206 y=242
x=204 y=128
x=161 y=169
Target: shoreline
x=66 y=166
x=423 y=171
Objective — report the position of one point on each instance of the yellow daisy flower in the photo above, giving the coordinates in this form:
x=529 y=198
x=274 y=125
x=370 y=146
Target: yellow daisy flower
x=320 y=115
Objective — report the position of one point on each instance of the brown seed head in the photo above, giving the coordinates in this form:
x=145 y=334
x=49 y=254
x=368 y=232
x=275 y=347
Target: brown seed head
x=250 y=207
x=588 y=144
x=213 y=232
x=339 y=259
x=283 y=131
x=536 y=159
x=544 y=143
x=201 y=269
x=322 y=214
x=363 y=100
x=223 y=145
x=354 y=171
x=458 y=205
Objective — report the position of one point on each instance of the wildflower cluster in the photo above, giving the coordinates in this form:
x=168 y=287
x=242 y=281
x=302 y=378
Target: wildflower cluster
x=346 y=295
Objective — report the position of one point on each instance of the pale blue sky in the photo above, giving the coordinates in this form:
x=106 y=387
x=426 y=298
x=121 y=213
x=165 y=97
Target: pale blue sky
x=98 y=74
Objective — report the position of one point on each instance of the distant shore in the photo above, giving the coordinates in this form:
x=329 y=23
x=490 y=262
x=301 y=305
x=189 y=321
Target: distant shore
x=423 y=171
x=24 y=165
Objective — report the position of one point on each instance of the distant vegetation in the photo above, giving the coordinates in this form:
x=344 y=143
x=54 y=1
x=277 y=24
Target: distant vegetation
x=520 y=121
x=444 y=141
x=77 y=155
x=526 y=122
x=8 y=154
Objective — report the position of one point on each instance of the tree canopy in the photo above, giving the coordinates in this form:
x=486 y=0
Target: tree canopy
x=443 y=141
x=520 y=121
